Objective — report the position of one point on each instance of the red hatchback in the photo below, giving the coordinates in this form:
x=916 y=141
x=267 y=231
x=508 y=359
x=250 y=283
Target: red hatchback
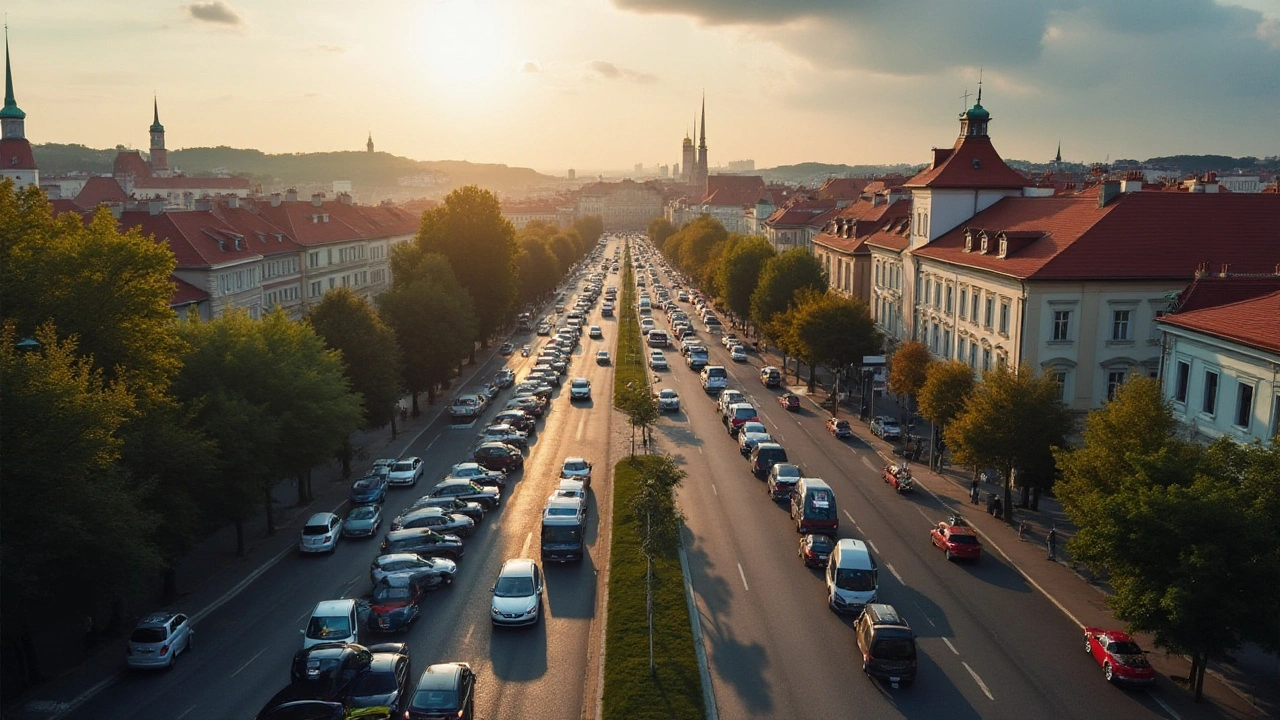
x=956 y=539
x=1120 y=657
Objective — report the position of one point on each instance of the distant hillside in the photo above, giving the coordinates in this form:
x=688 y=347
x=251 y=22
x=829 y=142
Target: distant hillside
x=1205 y=163
x=812 y=173
x=364 y=170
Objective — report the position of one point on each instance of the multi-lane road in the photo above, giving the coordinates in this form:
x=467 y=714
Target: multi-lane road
x=243 y=650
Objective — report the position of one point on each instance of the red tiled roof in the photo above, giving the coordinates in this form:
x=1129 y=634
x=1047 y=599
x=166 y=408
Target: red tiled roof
x=184 y=293
x=99 y=190
x=295 y=218
x=842 y=188
x=733 y=190
x=15 y=154
x=868 y=219
x=801 y=213
x=1137 y=235
x=849 y=246
x=892 y=237
x=1254 y=322
x=259 y=235
x=1212 y=290
x=971 y=163
x=130 y=162
x=63 y=205
x=192 y=236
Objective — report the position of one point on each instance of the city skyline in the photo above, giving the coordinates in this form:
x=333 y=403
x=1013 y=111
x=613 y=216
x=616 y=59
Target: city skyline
x=504 y=82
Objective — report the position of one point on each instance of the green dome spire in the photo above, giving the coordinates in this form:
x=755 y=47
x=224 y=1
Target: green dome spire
x=11 y=109
x=155 y=124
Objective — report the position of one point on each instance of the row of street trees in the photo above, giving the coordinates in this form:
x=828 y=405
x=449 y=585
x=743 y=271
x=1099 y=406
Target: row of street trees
x=128 y=434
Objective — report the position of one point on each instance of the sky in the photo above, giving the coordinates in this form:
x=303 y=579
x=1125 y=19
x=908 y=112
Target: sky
x=598 y=85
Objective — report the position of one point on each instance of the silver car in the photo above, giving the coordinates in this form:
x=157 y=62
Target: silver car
x=517 y=596
x=320 y=534
x=412 y=564
x=158 y=639
x=576 y=468
x=406 y=472
x=363 y=521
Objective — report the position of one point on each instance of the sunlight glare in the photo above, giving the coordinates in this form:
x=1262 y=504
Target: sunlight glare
x=464 y=45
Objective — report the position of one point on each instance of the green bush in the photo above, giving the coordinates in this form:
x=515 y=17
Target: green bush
x=630 y=368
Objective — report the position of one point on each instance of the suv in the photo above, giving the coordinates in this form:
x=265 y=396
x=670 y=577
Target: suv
x=770 y=376
x=886 y=427
x=764 y=456
x=714 y=378
x=423 y=541
x=466 y=406
x=887 y=644
x=157 y=640
x=739 y=414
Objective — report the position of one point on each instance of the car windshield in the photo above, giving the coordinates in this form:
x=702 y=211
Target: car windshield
x=744 y=413
x=786 y=470
x=403 y=564
x=667 y=394
x=562 y=511
x=894 y=649
x=820 y=505
x=402 y=467
x=855 y=580
x=572 y=466
x=821 y=543
x=887 y=424
x=772 y=455
x=388 y=593
x=148 y=635
x=561 y=534
x=513 y=587
x=325 y=628
x=716 y=372
x=1124 y=648
x=842 y=424
x=963 y=539
x=364 y=512
x=315 y=529
x=434 y=700
x=374 y=683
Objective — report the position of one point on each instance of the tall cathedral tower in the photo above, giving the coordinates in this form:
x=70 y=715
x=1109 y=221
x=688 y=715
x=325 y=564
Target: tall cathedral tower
x=700 y=175
x=16 y=160
x=688 y=158
x=369 y=145
x=159 y=156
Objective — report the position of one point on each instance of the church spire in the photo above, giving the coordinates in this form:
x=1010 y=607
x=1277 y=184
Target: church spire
x=702 y=139
x=1058 y=158
x=155 y=121
x=369 y=145
x=11 y=110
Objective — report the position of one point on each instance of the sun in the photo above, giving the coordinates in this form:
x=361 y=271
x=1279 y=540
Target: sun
x=464 y=44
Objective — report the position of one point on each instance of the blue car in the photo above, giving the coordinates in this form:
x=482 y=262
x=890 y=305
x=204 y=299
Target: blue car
x=371 y=490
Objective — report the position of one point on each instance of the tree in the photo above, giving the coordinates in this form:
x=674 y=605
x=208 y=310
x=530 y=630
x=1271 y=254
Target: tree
x=641 y=410
x=537 y=268
x=831 y=330
x=946 y=388
x=480 y=244
x=907 y=370
x=349 y=324
x=657 y=521
x=589 y=228
x=660 y=229
x=738 y=273
x=563 y=247
x=1010 y=422
x=781 y=278
x=691 y=249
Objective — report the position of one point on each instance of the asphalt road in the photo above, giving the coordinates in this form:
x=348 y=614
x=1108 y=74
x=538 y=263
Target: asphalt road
x=243 y=650
x=989 y=645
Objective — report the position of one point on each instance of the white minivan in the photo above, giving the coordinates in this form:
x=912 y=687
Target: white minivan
x=851 y=577
x=332 y=621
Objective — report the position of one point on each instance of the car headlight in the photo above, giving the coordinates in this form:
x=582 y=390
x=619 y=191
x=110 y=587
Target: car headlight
x=494 y=611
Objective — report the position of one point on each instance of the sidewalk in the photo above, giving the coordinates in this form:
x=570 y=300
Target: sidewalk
x=1245 y=687
x=211 y=574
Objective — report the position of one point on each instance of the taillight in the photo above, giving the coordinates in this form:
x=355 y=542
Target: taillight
x=164 y=648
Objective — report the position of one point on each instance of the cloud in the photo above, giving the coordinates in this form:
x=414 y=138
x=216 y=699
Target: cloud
x=215 y=12
x=326 y=48
x=530 y=67
x=610 y=71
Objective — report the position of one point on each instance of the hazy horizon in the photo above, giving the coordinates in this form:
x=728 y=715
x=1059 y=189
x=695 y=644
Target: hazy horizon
x=600 y=85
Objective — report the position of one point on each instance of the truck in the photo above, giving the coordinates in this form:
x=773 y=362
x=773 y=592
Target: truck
x=563 y=527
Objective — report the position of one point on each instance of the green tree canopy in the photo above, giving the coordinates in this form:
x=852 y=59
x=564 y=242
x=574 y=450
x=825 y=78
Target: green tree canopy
x=590 y=228
x=660 y=229
x=538 y=269
x=908 y=368
x=831 y=330
x=738 y=273
x=349 y=324
x=469 y=230
x=946 y=389
x=692 y=248
x=780 y=279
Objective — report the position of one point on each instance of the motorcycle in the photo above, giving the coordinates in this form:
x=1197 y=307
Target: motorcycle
x=899 y=477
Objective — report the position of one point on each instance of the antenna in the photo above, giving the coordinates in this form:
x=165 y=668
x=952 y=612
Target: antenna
x=965 y=98
x=979 y=86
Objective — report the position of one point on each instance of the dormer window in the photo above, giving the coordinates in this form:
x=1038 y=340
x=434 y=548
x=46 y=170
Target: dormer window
x=983 y=238
x=1004 y=247
x=968 y=240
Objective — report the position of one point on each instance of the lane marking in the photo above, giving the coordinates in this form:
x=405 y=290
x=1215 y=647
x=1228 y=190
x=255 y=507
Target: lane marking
x=867 y=462
x=978 y=680
x=953 y=647
x=1166 y=707
x=699 y=449
x=714 y=491
x=466 y=639
x=242 y=667
x=185 y=712
x=304 y=614
x=874 y=549
x=524 y=549
x=354 y=580
x=924 y=515
x=895 y=572
x=582 y=428
x=855 y=522
x=744 y=578
x=433 y=441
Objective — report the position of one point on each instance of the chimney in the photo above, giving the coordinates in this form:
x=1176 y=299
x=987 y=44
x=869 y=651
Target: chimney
x=344 y=198
x=155 y=207
x=317 y=199
x=1107 y=191
x=291 y=195
x=275 y=199
x=233 y=202
x=203 y=204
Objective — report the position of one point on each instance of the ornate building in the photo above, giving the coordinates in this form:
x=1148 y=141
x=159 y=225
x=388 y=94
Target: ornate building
x=693 y=161
x=16 y=160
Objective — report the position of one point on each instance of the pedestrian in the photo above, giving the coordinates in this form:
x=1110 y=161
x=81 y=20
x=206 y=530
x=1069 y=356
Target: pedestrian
x=973 y=491
x=1051 y=541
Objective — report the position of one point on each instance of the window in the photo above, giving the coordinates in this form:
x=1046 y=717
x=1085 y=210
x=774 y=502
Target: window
x=1244 y=404
x=1115 y=379
x=1209 y=403
x=877 y=273
x=1061 y=324
x=973 y=309
x=949 y=294
x=986 y=359
x=928 y=285
x=946 y=343
x=1120 y=324
x=964 y=303
x=1059 y=377
x=973 y=355
x=1004 y=318
x=935 y=339
x=937 y=294
x=316 y=289
x=990 y=312
x=1180 y=383
x=962 y=351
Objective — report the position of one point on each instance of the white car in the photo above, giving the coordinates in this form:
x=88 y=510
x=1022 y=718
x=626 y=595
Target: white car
x=158 y=639
x=602 y=357
x=517 y=595
x=320 y=533
x=658 y=360
x=886 y=427
x=576 y=468
x=411 y=564
x=738 y=353
x=580 y=389
x=406 y=472
x=668 y=400
x=595 y=333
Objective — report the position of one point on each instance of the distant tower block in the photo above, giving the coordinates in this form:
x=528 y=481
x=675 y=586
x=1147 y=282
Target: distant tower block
x=369 y=145
x=573 y=174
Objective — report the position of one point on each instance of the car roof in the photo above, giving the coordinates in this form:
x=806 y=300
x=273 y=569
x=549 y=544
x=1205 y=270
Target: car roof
x=426 y=510
x=466 y=465
x=575 y=458
x=333 y=607
x=320 y=518
x=761 y=447
x=518 y=566
x=441 y=676
x=407 y=532
x=396 y=557
x=157 y=618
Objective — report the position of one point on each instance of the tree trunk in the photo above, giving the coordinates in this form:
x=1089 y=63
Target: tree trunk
x=1035 y=498
x=346 y=458
x=393 y=426
x=431 y=398
x=300 y=480
x=239 y=537
x=1025 y=493
x=813 y=377
x=1201 y=666
x=271 y=516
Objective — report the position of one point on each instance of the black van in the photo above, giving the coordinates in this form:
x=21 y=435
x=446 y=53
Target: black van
x=887 y=644
x=764 y=456
x=813 y=507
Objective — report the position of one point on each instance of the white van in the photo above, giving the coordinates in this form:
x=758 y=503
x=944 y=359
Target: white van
x=332 y=621
x=851 y=577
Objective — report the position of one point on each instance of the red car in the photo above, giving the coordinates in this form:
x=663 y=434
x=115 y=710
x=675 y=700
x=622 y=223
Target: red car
x=1120 y=657
x=956 y=539
x=789 y=401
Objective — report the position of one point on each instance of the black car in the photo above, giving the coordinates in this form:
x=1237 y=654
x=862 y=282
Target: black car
x=436 y=519
x=422 y=541
x=444 y=691
x=506 y=349
x=321 y=673
x=302 y=710
x=384 y=684
x=498 y=456
x=488 y=497
x=521 y=420
x=473 y=510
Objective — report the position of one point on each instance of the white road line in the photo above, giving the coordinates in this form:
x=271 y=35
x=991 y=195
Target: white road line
x=433 y=442
x=855 y=522
x=744 y=577
x=300 y=617
x=873 y=547
x=714 y=490
x=1164 y=705
x=699 y=449
x=582 y=427
x=867 y=462
x=185 y=712
x=242 y=667
x=354 y=580
x=895 y=572
x=978 y=680
x=466 y=639
x=925 y=515
x=524 y=549
x=953 y=647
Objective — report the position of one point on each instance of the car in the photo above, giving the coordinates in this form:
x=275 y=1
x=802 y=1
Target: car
x=302 y=710
x=602 y=357
x=668 y=400
x=569 y=487
x=382 y=466
x=782 y=480
x=438 y=571
x=517 y=595
x=789 y=401
x=657 y=360
x=956 y=539
x=467 y=406
x=729 y=398
x=362 y=521
x=738 y=353
x=595 y=333
x=697 y=359
x=445 y=690
x=423 y=541
x=543 y=329
x=519 y=419
x=473 y=510
x=526 y=350
x=729 y=340
x=320 y=533
x=770 y=376
x=504 y=378
x=406 y=471
x=886 y=427
x=158 y=639
x=505 y=434
x=815 y=549
x=477 y=473
x=1119 y=655
x=738 y=415
x=580 y=389
x=498 y=456
x=576 y=468
x=384 y=685
x=750 y=435
x=764 y=456
x=462 y=489
x=323 y=672
x=839 y=428
x=560 y=505
x=394 y=603
x=506 y=349
x=369 y=490
x=714 y=378
x=437 y=519
x=530 y=404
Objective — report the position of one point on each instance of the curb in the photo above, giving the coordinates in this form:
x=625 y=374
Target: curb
x=695 y=620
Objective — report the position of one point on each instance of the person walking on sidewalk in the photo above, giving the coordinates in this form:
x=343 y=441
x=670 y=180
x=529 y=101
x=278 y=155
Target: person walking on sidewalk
x=1051 y=541
x=973 y=491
